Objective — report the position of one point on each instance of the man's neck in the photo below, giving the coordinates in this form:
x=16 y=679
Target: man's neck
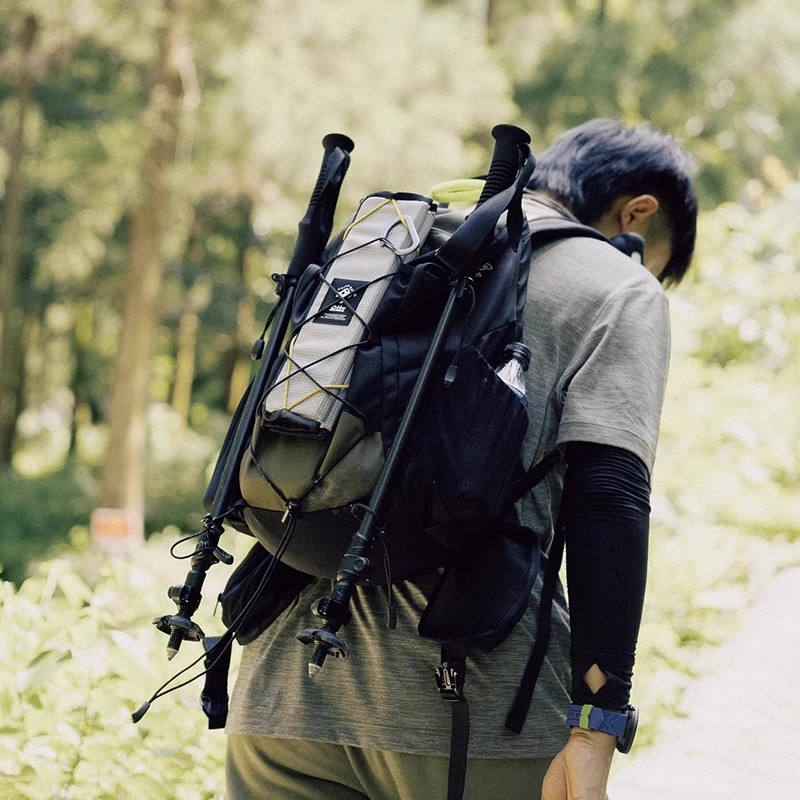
x=544 y=203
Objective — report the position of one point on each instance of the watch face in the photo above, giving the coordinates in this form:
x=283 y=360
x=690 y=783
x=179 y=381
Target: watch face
x=626 y=742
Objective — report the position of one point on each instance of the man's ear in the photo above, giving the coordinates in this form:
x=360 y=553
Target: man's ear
x=635 y=213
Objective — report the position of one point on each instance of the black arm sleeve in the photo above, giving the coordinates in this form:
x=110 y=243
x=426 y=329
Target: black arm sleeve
x=606 y=517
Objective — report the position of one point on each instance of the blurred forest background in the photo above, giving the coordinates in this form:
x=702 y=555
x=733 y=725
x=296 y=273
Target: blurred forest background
x=155 y=158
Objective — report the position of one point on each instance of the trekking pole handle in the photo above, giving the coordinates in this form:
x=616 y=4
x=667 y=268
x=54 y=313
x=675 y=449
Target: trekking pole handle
x=509 y=139
x=330 y=144
x=315 y=227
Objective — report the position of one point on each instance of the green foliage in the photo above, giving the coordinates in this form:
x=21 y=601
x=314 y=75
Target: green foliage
x=723 y=76
x=409 y=84
x=37 y=515
x=50 y=513
x=748 y=283
x=78 y=656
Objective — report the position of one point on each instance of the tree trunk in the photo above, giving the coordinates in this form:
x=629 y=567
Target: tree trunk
x=491 y=22
x=124 y=468
x=245 y=314
x=243 y=365
x=11 y=317
x=184 y=364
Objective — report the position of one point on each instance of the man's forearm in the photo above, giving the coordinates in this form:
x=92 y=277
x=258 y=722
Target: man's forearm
x=606 y=497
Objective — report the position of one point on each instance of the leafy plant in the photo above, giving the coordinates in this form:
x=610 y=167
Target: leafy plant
x=78 y=655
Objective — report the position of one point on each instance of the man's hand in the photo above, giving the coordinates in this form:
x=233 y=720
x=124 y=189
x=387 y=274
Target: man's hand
x=580 y=770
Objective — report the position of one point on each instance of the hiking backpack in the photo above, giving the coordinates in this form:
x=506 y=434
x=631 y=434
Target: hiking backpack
x=377 y=441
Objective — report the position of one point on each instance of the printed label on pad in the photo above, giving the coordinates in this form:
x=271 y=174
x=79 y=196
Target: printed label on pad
x=334 y=310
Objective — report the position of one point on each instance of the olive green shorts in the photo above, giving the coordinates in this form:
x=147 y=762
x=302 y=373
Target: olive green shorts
x=267 y=768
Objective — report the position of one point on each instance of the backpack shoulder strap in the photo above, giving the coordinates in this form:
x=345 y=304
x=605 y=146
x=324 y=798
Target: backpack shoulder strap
x=522 y=701
x=545 y=230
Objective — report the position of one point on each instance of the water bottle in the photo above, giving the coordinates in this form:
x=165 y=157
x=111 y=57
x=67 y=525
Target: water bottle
x=512 y=371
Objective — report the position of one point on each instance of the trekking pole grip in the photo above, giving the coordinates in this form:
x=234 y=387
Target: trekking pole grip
x=315 y=227
x=508 y=140
x=330 y=144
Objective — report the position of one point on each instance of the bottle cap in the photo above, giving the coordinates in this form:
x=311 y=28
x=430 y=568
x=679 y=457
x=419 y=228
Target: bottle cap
x=519 y=351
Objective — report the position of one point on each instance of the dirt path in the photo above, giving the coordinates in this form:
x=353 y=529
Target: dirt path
x=740 y=736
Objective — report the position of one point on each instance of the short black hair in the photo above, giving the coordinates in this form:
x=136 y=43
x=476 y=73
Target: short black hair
x=588 y=167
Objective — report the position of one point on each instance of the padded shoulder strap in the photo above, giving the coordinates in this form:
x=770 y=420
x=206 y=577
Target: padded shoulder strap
x=545 y=230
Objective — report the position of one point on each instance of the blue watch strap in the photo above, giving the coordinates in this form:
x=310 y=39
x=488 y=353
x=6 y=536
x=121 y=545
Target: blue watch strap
x=591 y=718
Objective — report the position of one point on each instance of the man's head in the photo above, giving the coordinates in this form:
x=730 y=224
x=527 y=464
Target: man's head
x=619 y=179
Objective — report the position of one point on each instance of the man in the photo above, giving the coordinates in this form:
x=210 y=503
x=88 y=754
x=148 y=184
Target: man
x=597 y=323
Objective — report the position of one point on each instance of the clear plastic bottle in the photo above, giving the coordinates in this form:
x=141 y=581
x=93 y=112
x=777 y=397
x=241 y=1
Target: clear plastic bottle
x=512 y=371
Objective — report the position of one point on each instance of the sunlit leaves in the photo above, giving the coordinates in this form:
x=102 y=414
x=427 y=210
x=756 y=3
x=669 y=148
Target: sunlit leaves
x=408 y=84
x=77 y=656
x=748 y=282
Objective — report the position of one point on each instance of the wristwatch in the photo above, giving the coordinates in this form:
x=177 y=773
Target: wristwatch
x=621 y=724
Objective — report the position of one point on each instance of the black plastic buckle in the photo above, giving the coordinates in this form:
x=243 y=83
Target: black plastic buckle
x=450 y=680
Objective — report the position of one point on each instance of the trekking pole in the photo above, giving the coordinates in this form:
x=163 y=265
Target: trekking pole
x=355 y=565
x=506 y=160
x=313 y=232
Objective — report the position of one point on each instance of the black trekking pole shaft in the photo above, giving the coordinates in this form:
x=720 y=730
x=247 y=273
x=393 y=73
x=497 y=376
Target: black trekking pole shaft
x=356 y=562
x=313 y=232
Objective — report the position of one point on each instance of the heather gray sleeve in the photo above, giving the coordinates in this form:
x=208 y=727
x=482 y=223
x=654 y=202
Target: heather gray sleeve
x=613 y=389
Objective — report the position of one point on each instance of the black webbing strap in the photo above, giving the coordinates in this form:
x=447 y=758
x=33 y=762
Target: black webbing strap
x=461 y=251
x=545 y=230
x=450 y=677
x=214 y=697
x=522 y=702
x=535 y=474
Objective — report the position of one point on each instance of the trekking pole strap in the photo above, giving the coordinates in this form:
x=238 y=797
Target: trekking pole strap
x=462 y=251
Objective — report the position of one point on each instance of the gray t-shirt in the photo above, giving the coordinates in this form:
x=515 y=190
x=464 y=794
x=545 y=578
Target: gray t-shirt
x=598 y=325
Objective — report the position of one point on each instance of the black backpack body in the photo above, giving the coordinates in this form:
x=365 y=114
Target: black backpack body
x=457 y=477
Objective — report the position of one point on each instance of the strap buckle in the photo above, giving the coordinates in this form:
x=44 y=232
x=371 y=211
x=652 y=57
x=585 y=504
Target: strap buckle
x=450 y=680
